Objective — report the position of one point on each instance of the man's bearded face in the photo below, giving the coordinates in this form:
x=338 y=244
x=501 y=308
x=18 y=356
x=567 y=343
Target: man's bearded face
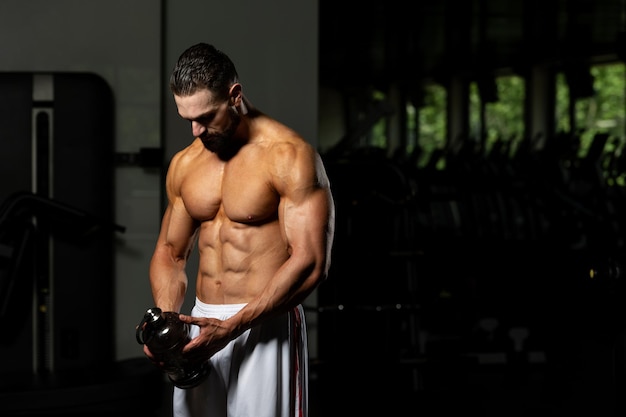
x=219 y=141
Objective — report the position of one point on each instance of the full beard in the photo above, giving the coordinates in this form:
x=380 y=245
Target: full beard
x=223 y=143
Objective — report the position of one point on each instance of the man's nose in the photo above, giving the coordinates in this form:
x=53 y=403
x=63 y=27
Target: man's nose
x=197 y=129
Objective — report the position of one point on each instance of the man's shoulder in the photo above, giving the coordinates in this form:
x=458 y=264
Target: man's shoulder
x=188 y=156
x=290 y=146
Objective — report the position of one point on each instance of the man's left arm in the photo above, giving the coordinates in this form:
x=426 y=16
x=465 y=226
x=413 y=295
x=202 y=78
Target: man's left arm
x=307 y=216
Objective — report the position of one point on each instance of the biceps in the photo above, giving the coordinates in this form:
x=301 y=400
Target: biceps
x=308 y=224
x=178 y=231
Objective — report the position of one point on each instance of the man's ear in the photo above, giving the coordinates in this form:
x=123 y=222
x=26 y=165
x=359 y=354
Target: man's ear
x=235 y=94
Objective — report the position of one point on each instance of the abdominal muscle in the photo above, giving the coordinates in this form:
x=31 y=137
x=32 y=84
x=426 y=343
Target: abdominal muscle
x=237 y=259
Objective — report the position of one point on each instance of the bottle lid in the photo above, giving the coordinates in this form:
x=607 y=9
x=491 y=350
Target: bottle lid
x=153 y=315
x=150 y=318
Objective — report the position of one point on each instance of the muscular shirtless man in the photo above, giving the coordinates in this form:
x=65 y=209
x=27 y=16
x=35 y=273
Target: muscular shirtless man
x=253 y=196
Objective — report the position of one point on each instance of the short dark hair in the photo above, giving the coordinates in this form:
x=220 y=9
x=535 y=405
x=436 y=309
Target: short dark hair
x=203 y=66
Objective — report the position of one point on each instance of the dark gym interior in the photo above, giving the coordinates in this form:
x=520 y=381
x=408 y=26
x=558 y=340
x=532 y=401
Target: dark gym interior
x=493 y=286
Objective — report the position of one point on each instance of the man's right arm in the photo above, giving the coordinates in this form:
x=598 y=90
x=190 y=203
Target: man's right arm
x=168 y=278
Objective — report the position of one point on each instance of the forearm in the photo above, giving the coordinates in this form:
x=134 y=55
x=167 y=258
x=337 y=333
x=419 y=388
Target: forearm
x=168 y=282
x=310 y=230
x=289 y=287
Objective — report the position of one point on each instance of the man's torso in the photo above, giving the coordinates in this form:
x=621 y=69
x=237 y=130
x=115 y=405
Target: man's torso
x=240 y=242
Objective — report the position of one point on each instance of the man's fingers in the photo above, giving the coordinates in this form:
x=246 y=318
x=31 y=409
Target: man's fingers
x=186 y=319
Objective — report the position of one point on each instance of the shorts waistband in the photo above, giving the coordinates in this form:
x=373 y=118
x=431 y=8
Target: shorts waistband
x=218 y=308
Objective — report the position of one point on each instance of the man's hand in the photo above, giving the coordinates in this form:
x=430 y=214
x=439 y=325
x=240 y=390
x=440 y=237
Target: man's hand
x=214 y=335
x=156 y=362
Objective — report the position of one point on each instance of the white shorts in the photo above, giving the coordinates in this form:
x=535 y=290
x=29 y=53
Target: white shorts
x=262 y=373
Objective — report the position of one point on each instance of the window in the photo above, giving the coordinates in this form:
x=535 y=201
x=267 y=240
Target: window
x=431 y=124
x=502 y=122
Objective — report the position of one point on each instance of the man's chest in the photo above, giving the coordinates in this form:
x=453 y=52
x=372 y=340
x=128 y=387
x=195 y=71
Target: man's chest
x=244 y=196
